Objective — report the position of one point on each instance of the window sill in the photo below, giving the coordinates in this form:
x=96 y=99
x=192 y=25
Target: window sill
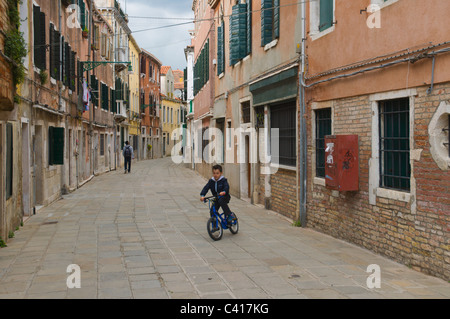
x=270 y=45
x=385 y=4
x=319 y=181
x=288 y=168
x=393 y=194
x=318 y=35
x=221 y=75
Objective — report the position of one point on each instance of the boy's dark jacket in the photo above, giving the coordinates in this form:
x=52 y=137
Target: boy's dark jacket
x=216 y=187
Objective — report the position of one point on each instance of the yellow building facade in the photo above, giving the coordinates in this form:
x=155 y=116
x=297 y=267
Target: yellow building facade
x=171 y=110
x=134 y=117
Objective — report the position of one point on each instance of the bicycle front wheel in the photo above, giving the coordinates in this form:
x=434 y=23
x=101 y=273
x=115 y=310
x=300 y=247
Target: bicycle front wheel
x=234 y=228
x=215 y=229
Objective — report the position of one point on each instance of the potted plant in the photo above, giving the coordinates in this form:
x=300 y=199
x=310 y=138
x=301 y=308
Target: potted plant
x=85 y=33
x=149 y=147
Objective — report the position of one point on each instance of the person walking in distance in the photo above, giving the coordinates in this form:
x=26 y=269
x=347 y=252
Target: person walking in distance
x=128 y=154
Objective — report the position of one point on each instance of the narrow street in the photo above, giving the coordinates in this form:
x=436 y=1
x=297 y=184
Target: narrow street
x=143 y=235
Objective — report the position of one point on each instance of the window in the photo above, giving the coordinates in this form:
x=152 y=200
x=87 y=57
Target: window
x=201 y=69
x=56 y=145
x=83 y=15
x=246 y=112
x=321 y=18
x=326 y=14
x=94 y=91
x=55 y=43
x=395 y=169
x=270 y=21
x=40 y=52
x=9 y=160
x=105 y=97
x=323 y=128
x=240 y=32
x=283 y=117
x=102 y=144
x=66 y=64
x=220 y=55
x=72 y=70
x=113 y=100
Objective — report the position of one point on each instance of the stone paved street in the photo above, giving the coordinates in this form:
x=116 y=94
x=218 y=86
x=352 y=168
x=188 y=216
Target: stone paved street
x=143 y=235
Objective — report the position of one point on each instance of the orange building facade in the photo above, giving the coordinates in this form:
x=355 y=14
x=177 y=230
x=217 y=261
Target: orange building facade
x=379 y=70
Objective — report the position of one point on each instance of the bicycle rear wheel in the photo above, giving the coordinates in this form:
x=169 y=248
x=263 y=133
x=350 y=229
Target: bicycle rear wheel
x=215 y=230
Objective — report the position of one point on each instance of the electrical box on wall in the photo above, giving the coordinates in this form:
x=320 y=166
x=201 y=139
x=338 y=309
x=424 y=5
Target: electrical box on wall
x=342 y=162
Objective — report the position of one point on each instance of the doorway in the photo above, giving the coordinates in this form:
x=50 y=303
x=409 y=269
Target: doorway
x=38 y=164
x=26 y=199
x=245 y=168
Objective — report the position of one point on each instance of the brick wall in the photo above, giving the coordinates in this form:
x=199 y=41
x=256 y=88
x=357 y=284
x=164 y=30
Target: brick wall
x=418 y=238
x=431 y=244
x=283 y=193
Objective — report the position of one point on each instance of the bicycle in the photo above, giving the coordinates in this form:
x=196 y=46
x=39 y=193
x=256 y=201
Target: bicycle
x=218 y=222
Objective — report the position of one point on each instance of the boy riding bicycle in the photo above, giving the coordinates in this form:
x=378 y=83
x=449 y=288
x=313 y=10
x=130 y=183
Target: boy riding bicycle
x=219 y=187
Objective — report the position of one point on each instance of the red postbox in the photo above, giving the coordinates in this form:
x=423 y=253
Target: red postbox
x=342 y=162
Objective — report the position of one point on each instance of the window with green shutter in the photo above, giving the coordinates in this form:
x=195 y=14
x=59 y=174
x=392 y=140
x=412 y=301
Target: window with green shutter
x=270 y=21
x=326 y=14
x=39 y=50
x=9 y=160
x=201 y=69
x=67 y=57
x=73 y=57
x=56 y=145
x=220 y=49
x=82 y=14
x=104 y=96
x=55 y=58
x=249 y=27
x=113 y=100
x=238 y=33
x=94 y=90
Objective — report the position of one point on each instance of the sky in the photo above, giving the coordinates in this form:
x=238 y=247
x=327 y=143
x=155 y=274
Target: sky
x=167 y=44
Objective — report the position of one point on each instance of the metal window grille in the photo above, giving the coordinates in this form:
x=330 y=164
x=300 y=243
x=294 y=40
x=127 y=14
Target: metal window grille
x=283 y=117
x=323 y=128
x=246 y=112
x=395 y=168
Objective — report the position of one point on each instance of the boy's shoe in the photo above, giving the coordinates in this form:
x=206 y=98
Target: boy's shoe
x=230 y=219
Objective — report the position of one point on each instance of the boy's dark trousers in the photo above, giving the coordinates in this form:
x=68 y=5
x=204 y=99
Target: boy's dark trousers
x=223 y=202
x=128 y=162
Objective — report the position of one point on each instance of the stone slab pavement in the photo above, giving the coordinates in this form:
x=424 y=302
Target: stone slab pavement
x=143 y=235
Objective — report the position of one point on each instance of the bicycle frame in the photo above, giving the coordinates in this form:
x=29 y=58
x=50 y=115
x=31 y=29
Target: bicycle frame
x=212 y=208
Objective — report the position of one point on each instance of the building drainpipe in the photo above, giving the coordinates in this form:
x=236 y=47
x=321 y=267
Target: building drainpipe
x=92 y=110
x=303 y=131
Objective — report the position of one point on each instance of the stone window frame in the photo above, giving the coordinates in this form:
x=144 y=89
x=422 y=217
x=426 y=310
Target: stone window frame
x=375 y=190
x=318 y=106
x=314 y=20
x=382 y=3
